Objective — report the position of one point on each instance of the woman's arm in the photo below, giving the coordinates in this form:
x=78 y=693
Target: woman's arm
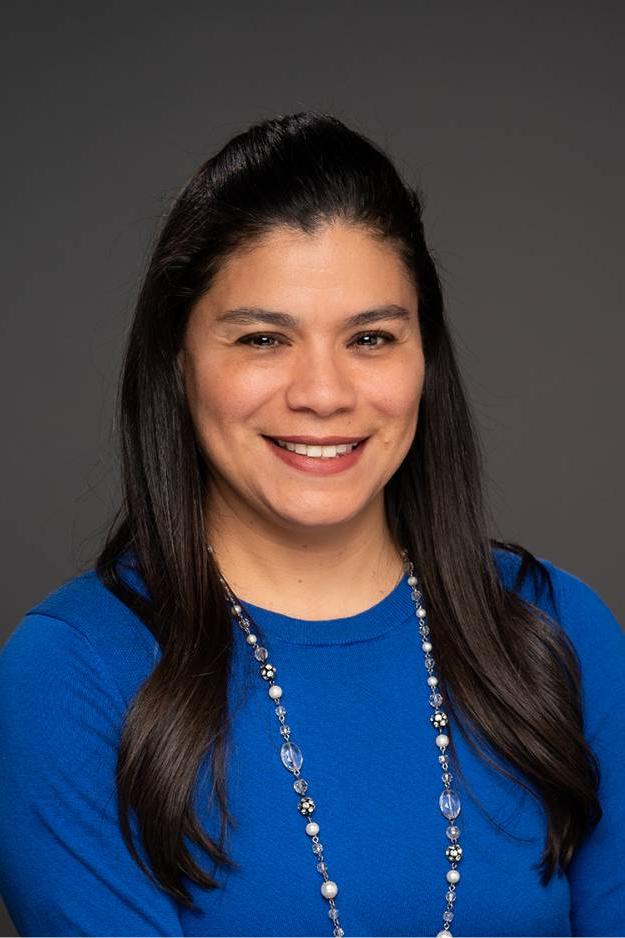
x=64 y=868
x=597 y=871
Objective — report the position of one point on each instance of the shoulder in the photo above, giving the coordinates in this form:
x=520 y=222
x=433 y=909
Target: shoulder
x=568 y=598
x=587 y=620
x=82 y=627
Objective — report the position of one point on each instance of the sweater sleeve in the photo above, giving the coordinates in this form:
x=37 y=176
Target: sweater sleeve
x=596 y=873
x=64 y=867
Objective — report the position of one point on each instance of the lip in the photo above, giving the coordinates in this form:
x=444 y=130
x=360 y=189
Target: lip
x=318 y=466
x=318 y=440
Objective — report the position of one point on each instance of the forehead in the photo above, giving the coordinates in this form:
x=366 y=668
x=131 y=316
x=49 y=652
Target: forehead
x=339 y=264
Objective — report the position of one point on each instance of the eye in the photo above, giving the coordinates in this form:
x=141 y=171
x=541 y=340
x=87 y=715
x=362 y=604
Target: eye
x=378 y=334
x=248 y=339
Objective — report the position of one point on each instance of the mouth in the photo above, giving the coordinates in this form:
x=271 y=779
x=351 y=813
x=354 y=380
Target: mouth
x=327 y=450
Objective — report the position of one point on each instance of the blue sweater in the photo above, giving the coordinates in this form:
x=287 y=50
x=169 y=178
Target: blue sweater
x=357 y=704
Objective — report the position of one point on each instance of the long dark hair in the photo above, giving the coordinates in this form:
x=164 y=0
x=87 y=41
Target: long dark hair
x=304 y=170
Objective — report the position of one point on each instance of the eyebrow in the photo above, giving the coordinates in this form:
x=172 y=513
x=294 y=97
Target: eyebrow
x=247 y=315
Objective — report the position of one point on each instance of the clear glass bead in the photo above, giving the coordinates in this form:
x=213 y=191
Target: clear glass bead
x=285 y=730
x=447 y=777
x=448 y=916
x=333 y=913
x=291 y=756
x=260 y=653
x=301 y=786
x=449 y=803
x=280 y=711
x=442 y=759
x=435 y=700
x=317 y=848
x=321 y=867
x=453 y=831
x=429 y=661
x=425 y=630
x=450 y=895
x=338 y=933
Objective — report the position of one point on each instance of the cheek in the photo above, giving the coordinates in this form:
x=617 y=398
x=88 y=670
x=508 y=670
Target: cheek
x=398 y=395
x=229 y=395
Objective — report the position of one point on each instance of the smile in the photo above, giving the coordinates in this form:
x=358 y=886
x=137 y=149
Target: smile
x=318 y=460
x=318 y=452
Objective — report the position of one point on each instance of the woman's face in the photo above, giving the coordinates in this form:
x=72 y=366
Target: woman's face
x=309 y=374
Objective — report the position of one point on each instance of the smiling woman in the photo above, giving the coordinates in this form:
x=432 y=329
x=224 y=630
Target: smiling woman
x=301 y=574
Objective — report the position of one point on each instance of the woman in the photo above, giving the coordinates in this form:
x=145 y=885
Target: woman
x=301 y=570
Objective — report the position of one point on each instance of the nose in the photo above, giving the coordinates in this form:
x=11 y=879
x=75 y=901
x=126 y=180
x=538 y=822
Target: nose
x=319 y=380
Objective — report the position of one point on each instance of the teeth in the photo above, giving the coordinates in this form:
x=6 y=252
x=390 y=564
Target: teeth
x=319 y=452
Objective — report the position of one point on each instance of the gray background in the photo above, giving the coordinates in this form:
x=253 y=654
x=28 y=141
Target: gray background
x=508 y=116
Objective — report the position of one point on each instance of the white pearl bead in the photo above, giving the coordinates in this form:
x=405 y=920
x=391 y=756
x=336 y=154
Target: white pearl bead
x=236 y=607
x=453 y=876
x=329 y=889
x=275 y=691
x=426 y=646
x=421 y=612
x=442 y=740
x=444 y=934
x=412 y=581
x=251 y=639
x=432 y=681
x=312 y=828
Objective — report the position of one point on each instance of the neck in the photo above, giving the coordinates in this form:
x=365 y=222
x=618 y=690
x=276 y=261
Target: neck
x=312 y=576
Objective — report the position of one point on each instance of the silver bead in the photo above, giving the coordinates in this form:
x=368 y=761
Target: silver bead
x=454 y=853
x=306 y=806
x=439 y=719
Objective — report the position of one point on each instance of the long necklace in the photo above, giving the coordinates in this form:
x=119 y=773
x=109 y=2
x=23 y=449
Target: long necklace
x=292 y=758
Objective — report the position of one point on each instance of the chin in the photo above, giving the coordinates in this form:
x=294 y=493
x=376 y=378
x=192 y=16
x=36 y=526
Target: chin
x=316 y=516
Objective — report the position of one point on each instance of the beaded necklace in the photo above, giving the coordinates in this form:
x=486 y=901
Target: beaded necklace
x=292 y=758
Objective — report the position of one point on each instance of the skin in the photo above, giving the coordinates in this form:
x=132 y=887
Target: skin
x=308 y=546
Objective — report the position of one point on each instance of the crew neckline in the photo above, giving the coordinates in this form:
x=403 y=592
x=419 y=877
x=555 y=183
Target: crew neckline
x=389 y=613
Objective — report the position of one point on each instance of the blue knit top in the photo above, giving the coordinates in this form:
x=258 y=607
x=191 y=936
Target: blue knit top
x=356 y=698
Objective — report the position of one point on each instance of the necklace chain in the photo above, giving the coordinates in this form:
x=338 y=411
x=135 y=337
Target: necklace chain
x=292 y=758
